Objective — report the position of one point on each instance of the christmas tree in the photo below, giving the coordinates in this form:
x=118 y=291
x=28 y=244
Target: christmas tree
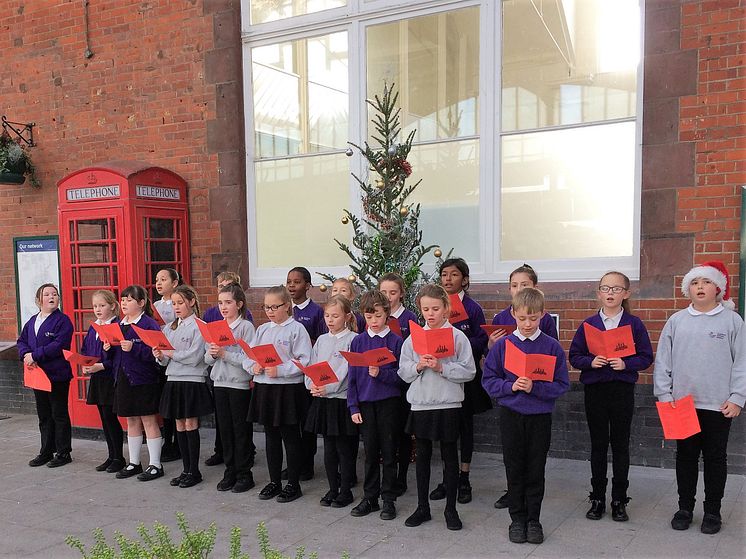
x=387 y=238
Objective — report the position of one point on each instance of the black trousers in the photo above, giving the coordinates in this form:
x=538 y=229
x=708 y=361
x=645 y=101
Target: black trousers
x=54 y=419
x=712 y=443
x=112 y=431
x=609 y=407
x=525 y=441
x=236 y=434
x=406 y=442
x=449 y=455
x=380 y=431
x=274 y=438
x=338 y=457
x=218 y=440
x=309 y=441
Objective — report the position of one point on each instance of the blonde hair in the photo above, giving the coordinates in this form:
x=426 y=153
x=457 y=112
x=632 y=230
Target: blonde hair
x=351 y=285
x=625 y=280
x=530 y=299
x=344 y=302
x=434 y=291
x=284 y=295
x=393 y=277
x=188 y=293
x=232 y=277
x=40 y=292
x=109 y=297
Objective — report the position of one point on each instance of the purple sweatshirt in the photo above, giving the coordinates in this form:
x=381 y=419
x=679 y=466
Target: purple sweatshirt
x=94 y=347
x=138 y=364
x=364 y=388
x=403 y=320
x=312 y=318
x=498 y=381
x=472 y=328
x=213 y=315
x=362 y=326
x=55 y=334
x=581 y=357
x=546 y=324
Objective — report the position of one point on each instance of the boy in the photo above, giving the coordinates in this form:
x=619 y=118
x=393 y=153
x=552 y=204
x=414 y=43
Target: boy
x=701 y=352
x=305 y=311
x=525 y=414
x=373 y=398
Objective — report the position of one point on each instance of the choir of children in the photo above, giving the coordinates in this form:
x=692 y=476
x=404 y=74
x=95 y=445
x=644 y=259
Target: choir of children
x=410 y=390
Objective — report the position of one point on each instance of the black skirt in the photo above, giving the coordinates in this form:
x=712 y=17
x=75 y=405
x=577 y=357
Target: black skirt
x=278 y=404
x=134 y=401
x=330 y=417
x=435 y=425
x=183 y=399
x=476 y=399
x=100 y=390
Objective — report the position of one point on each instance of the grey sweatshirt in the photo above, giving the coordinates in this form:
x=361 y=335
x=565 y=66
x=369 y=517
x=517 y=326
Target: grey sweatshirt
x=429 y=390
x=227 y=372
x=702 y=354
x=327 y=348
x=291 y=341
x=188 y=363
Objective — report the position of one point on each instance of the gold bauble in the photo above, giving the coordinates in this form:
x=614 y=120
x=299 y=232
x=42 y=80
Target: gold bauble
x=352 y=278
x=379 y=183
x=438 y=253
x=322 y=287
x=345 y=221
x=404 y=210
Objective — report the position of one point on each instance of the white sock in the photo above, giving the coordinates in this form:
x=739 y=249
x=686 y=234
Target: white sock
x=134 y=444
x=154 y=449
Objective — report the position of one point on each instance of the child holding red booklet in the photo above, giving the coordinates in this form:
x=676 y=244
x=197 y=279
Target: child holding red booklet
x=525 y=413
x=609 y=385
x=702 y=353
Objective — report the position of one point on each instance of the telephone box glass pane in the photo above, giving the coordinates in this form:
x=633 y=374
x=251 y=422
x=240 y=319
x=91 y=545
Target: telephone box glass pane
x=161 y=228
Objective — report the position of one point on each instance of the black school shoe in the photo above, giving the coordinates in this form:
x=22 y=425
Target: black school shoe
x=439 y=493
x=289 y=493
x=502 y=502
x=365 y=507
x=619 y=510
x=151 y=472
x=270 y=491
x=534 y=532
x=60 y=460
x=190 y=480
x=103 y=466
x=243 y=484
x=329 y=498
x=453 y=522
x=116 y=465
x=177 y=480
x=343 y=500
x=214 y=460
x=420 y=515
x=227 y=483
x=682 y=520
x=388 y=511
x=129 y=470
x=40 y=460
x=464 y=492
x=597 y=510
x=517 y=532
x=711 y=523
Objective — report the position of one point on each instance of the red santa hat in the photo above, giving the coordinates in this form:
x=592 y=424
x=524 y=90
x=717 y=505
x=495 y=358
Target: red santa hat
x=717 y=273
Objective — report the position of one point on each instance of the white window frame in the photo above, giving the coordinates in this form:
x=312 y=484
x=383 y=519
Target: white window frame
x=354 y=18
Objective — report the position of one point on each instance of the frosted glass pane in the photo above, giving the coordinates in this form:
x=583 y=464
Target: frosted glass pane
x=263 y=11
x=434 y=62
x=568 y=61
x=568 y=193
x=299 y=205
x=449 y=195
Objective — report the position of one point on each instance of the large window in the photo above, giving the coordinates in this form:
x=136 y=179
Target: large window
x=527 y=132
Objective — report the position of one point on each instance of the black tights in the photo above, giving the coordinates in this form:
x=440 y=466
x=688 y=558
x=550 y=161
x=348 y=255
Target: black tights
x=274 y=437
x=449 y=454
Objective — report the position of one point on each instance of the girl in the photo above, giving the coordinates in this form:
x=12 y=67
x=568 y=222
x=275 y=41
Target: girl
x=166 y=280
x=454 y=277
x=279 y=398
x=101 y=386
x=42 y=340
x=305 y=311
x=344 y=287
x=185 y=397
x=609 y=385
x=435 y=393
x=328 y=413
x=137 y=389
x=392 y=286
x=232 y=393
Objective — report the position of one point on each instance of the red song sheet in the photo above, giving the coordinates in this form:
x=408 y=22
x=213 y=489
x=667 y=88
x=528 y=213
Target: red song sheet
x=371 y=358
x=458 y=312
x=438 y=342
x=218 y=332
x=489 y=328
x=157 y=316
x=35 y=377
x=320 y=373
x=265 y=355
x=617 y=342
x=78 y=359
x=678 y=422
x=154 y=338
x=109 y=333
x=394 y=326
x=535 y=366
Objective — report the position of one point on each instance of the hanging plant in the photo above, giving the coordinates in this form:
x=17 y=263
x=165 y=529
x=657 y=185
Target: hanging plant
x=15 y=163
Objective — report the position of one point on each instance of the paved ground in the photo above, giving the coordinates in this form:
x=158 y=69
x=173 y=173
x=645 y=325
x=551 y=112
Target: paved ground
x=40 y=506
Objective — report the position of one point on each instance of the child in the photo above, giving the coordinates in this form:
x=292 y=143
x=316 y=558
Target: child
x=609 y=385
x=701 y=352
x=213 y=314
x=373 y=400
x=166 y=280
x=454 y=277
x=305 y=311
x=525 y=414
x=40 y=344
x=232 y=392
x=392 y=286
x=344 y=287
x=328 y=414
x=101 y=385
x=137 y=390
x=185 y=397
x=435 y=393
x=279 y=400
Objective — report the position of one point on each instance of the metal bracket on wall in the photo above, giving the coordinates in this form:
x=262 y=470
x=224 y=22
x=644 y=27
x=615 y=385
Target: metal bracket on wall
x=24 y=131
x=88 y=52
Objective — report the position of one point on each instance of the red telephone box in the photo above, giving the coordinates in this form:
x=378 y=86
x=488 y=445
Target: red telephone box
x=120 y=222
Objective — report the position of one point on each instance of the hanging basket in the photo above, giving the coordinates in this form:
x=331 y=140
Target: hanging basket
x=12 y=178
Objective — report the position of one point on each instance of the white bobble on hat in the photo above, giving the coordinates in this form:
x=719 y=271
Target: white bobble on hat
x=717 y=273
